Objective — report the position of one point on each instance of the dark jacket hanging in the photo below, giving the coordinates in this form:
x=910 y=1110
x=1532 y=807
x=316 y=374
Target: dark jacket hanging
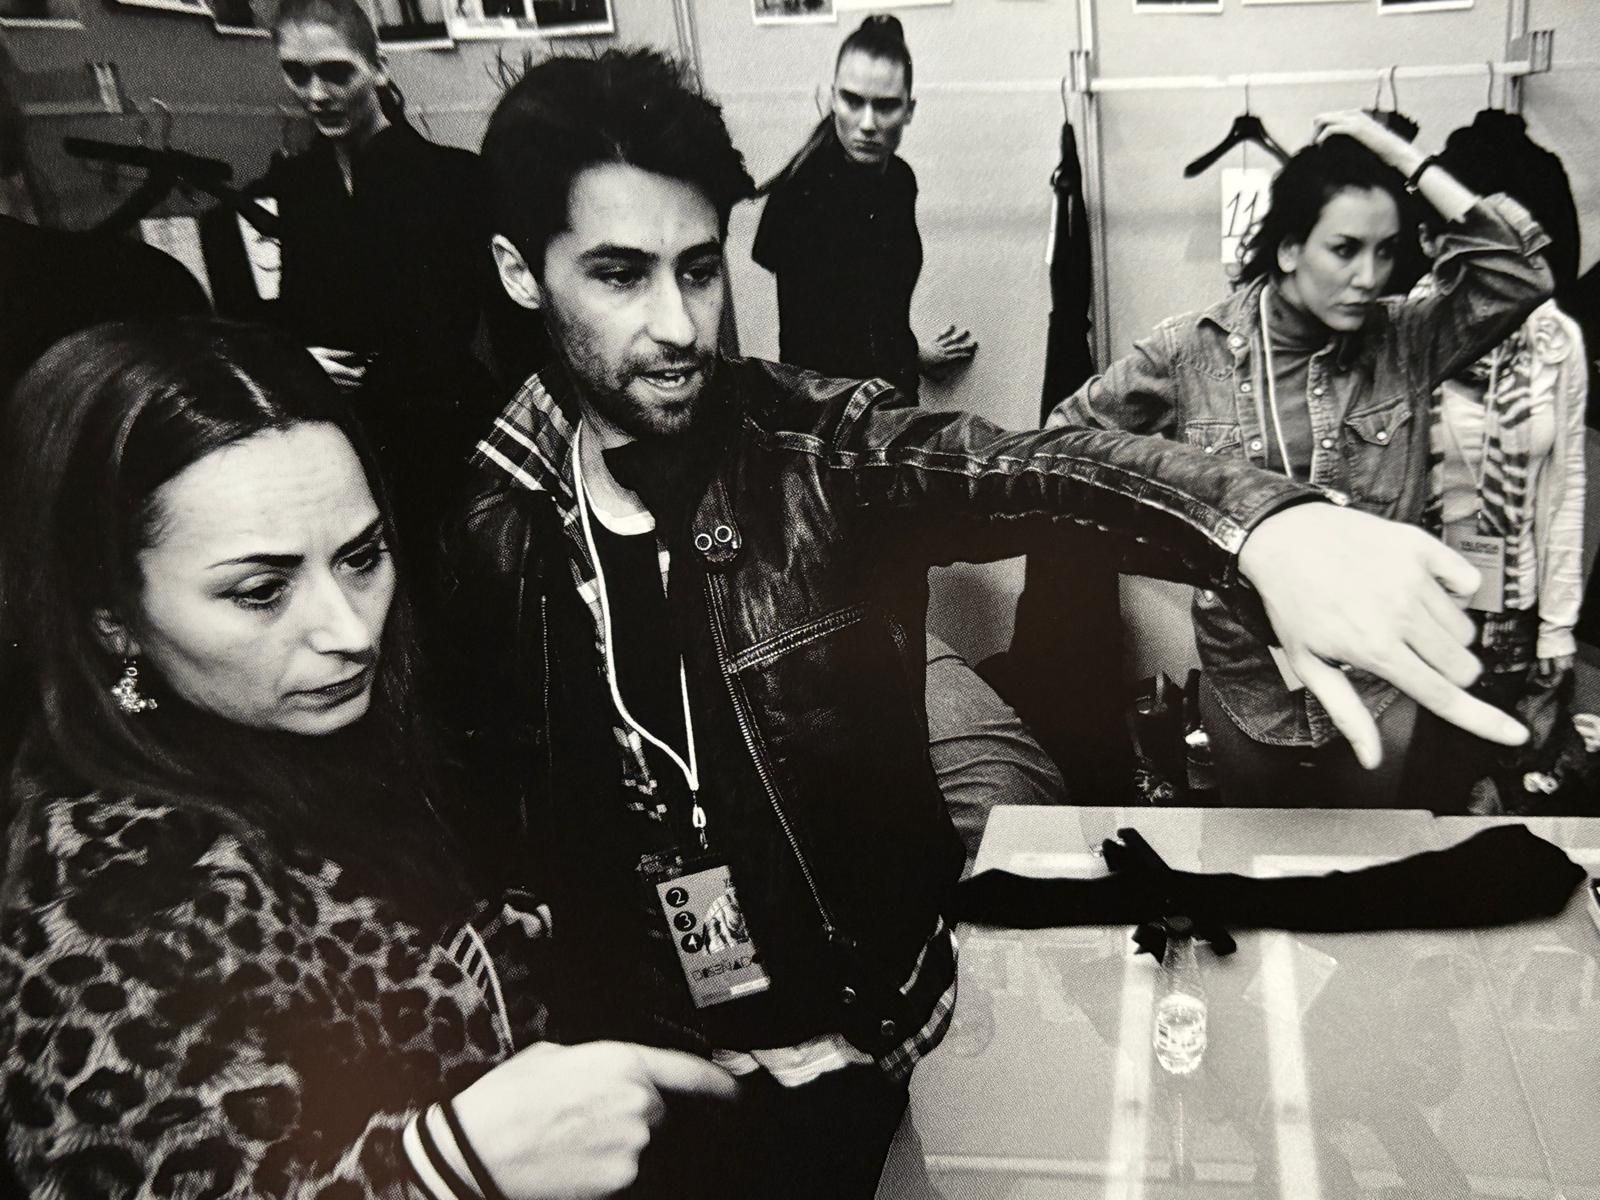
x=1068 y=360
x=1066 y=648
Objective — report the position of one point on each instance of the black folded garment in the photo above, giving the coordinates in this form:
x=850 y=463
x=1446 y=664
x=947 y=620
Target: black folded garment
x=1498 y=876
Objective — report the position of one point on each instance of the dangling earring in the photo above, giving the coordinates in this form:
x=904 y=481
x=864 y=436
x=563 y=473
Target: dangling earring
x=126 y=692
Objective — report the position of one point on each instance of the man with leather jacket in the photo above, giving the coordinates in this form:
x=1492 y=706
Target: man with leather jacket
x=691 y=597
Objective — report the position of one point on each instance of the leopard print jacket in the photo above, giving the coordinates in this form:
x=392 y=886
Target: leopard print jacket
x=185 y=1018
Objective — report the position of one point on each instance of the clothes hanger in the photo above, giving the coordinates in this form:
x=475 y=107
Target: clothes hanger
x=1246 y=127
x=1392 y=118
x=153 y=189
x=166 y=168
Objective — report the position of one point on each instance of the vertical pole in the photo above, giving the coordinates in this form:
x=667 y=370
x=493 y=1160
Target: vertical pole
x=1516 y=28
x=1094 y=180
x=688 y=42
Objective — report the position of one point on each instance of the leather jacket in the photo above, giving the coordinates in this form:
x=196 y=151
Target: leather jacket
x=825 y=508
x=1198 y=378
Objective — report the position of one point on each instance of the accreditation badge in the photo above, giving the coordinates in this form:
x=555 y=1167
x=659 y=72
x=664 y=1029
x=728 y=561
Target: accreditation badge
x=1487 y=552
x=718 y=956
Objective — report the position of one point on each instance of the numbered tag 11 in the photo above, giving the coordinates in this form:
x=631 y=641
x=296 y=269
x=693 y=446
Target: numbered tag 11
x=1246 y=192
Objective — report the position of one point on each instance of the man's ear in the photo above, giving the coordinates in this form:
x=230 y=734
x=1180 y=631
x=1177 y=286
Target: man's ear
x=515 y=274
x=911 y=111
x=114 y=637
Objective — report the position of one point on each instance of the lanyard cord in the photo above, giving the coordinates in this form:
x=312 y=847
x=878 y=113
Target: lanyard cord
x=690 y=769
x=1272 y=387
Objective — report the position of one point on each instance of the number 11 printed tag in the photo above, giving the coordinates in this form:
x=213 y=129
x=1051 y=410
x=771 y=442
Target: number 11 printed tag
x=1245 y=195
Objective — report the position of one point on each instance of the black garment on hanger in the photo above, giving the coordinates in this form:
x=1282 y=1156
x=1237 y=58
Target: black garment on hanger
x=1068 y=360
x=1496 y=147
x=1061 y=670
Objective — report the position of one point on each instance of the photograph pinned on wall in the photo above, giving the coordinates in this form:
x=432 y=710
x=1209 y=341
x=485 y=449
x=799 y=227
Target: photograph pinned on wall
x=194 y=8
x=412 y=24
x=1299 y=1
x=572 y=18
x=793 y=12
x=479 y=20
x=242 y=18
x=1420 y=6
x=40 y=14
x=878 y=5
x=1191 y=7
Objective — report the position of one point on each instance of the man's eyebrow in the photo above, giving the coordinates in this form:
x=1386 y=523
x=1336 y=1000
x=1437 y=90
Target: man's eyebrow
x=706 y=249
x=613 y=251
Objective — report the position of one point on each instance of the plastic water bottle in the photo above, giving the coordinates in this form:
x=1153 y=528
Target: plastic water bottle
x=1180 y=1025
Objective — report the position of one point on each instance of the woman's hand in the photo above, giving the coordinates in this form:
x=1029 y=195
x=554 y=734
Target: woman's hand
x=1384 y=142
x=571 y=1121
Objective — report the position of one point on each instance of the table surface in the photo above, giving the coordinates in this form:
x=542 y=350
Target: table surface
x=1398 y=1064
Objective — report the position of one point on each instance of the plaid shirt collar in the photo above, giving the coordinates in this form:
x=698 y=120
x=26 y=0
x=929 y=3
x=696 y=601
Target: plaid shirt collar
x=531 y=443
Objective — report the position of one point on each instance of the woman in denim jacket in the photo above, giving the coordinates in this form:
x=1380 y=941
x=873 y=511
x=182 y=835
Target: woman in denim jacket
x=1308 y=370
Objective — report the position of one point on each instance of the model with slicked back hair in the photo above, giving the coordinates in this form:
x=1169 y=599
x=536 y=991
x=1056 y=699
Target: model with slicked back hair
x=878 y=36
x=347 y=16
x=632 y=107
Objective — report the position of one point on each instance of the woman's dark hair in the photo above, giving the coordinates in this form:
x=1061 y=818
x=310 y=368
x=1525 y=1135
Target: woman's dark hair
x=1311 y=178
x=92 y=432
x=878 y=36
x=564 y=115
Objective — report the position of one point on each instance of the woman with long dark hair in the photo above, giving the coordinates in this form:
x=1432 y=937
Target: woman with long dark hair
x=839 y=230
x=239 y=952
x=1308 y=369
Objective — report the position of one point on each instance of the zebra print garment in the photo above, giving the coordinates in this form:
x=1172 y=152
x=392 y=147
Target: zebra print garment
x=1505 y=500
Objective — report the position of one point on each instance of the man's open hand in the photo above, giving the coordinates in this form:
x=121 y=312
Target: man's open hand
x=1342 y=587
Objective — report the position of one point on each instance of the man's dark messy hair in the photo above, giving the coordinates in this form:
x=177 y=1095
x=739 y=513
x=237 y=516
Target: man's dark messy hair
x=564 y=115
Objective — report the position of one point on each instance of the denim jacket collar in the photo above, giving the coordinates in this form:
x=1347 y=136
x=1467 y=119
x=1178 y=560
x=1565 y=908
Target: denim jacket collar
x=1237 y=316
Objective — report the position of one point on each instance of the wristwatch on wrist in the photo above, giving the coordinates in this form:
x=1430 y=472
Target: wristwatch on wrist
x=1414 y=180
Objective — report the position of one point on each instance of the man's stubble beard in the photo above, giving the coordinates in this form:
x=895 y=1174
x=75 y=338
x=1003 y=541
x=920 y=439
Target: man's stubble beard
x=609 y=398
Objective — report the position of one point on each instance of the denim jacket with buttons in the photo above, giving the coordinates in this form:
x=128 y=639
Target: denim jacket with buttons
x=1197 y=378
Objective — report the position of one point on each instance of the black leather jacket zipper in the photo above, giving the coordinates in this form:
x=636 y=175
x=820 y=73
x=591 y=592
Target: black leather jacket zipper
x=714 y=611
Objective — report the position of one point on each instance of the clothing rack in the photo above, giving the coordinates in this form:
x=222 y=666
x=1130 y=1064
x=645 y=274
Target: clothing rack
x=1531 y=54
x=1526 y=51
